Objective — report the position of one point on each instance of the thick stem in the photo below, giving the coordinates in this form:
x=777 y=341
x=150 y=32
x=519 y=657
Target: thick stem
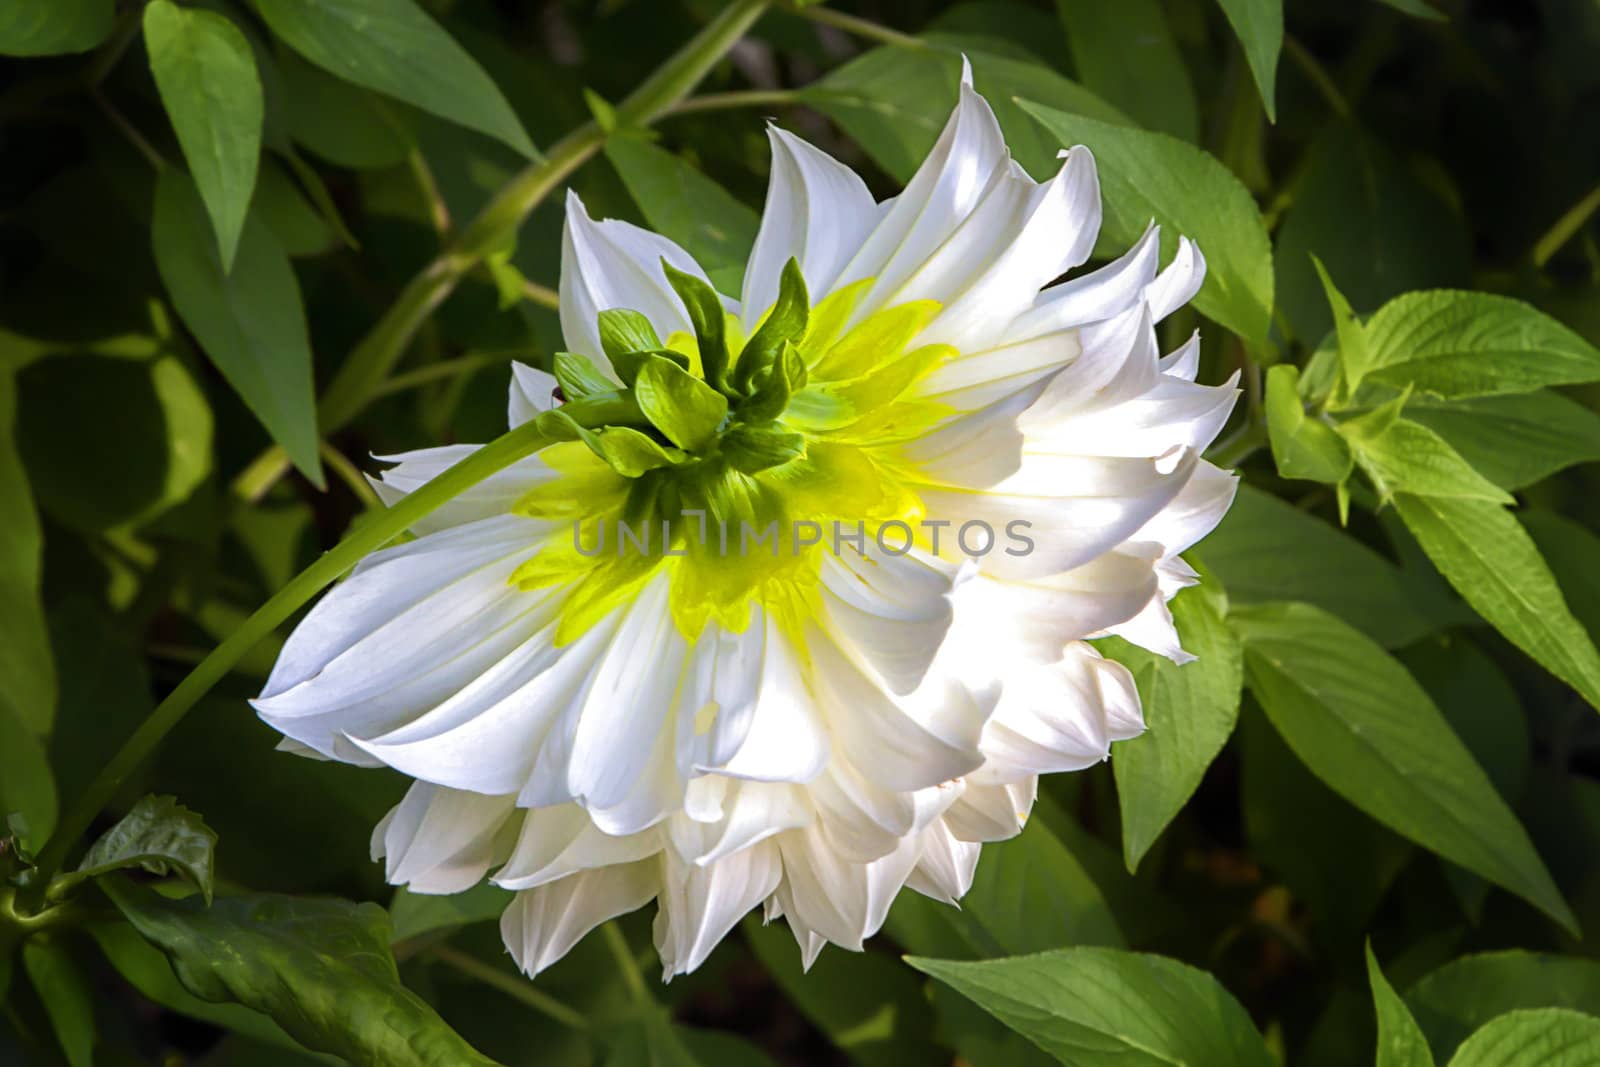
x=371 y=535
x=526 y=992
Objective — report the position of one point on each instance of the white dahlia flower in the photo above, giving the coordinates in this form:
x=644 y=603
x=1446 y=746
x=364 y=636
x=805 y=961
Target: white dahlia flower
x=606 y=698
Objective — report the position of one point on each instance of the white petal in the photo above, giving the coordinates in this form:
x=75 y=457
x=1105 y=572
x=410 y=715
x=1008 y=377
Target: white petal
x=1101 y=294
x=559 y=841
x=700 y=904
x=944 y=870
x=1179 y=282
x=1183 y=363
x=818 y=211
x=1063 y=717
x=755 y=811
x=893 y=611
x=787 y=740
x=543 y=924
x=1193 y=513
x=532 y=391
x=991 y=812
x=441 y=840
x=493 y=497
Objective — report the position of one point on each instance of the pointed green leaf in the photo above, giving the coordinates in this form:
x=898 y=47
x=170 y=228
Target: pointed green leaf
x=320 y=968
x=1418 y=8
x=751 y=448
x=1125 y=51
x=1492 y=562
x=394 y=47
x=68 y=1001
x=1402 y=456
x=678 y=404
x=27 y=669
x=631 y=452
x=1090 y=1007
x=707 y=316
x=623 y=331
x=1460 y=344
x=1354 y=360
x=54 y=27
x=579 y=377
x=250 y=321
x=784 y=324
x=1145 y=175
x=1190 y=711
x=1464 y=994
x=775 y=387
x=1546 y=1037
x=1400 y=1040
x=682 y=203
x=159 y=835
x=1513 y=440
x=1301 y=447
x=1363 y=725
x=207 y=78
x=1259 y=27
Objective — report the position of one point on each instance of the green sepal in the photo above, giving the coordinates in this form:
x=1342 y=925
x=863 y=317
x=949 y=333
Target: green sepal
x=706 y=316
x=579 y=377
x=678 y=404
x=836 y=404
x=749 y=449
x=1301 y=447
x=786 y=322
x=774 y=387
x=624 y=331
x=627 y=364
x=631 y=452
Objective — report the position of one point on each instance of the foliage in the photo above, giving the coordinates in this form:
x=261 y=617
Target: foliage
x=246 y=243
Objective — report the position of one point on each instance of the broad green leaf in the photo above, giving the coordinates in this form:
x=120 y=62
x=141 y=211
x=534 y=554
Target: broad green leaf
x=1267 y=549
x=894 y=101
x=1462 y=344
x=159 y=835
x=1492 y=562
x=1463 y=995
x=1376 y=227
x=26 y=784
x=1570 y=550
x=54 y=27
x=678 y=404
x=871 y=1007
x=1546 y=1037
x=207 y=78
x=1094 y=1006
x=64 y=991
x=1124 y=51
x=147 y=970
x=1475 y=695
x=339 y=121
x=682 y=203
x=1259 y=26
x=394 y=47
x=27 y=671
x=299 y=227
x=1513 y=440
x=1190 y=711
x=1145 y=175
x=1302 y=447
x=1402 y=456
x=421 y=913
x=1364 y=726
x=320 y=968
x=121 y=453
x=250 y=321
x=1400 y=1040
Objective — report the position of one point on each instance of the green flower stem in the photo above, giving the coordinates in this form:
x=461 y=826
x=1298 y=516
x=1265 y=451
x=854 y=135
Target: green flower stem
x=737 y=99
x=525 y=992
x=632 y=977
x=1565 y=227
x=860 y=27
x=379 y=529
x=364 y=372
x=1318 y=77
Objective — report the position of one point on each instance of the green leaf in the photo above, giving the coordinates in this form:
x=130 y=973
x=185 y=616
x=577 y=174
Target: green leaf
x=1259 y=26
x=250 y=321
x=341 y=122
x=784 y=325
x=119 y=454
x=1462 y=344
x=160 y=836
x=1362 y=724
x=321 y=968
x=207 y=78
x=65 y=993
x=394 y=47
x=1419 y=9
x=775 y=387
x=1378 y=228
x=1402 y=456
x=299 y=227
x=1145 y=175
x=1124 y=51
x=624 y=331
x=1569 y=549
x=1190 y=711
x=1464 y=994
x=707 y=316
x=26 y=785
x=1400 y=1040
x=1513 y=440
x=1495 y=566
x=27 y=671
x=1094 y=1006
x=678 y=404
x=1548 y=1037
x=757 y=448
x=682 y=203
x=579 y=377
x=1267 y=549
x=421 y=913
x=631 y=452
x=55 y=27
x=1354 y=360
x=1301 y=447
x=871 y=1007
